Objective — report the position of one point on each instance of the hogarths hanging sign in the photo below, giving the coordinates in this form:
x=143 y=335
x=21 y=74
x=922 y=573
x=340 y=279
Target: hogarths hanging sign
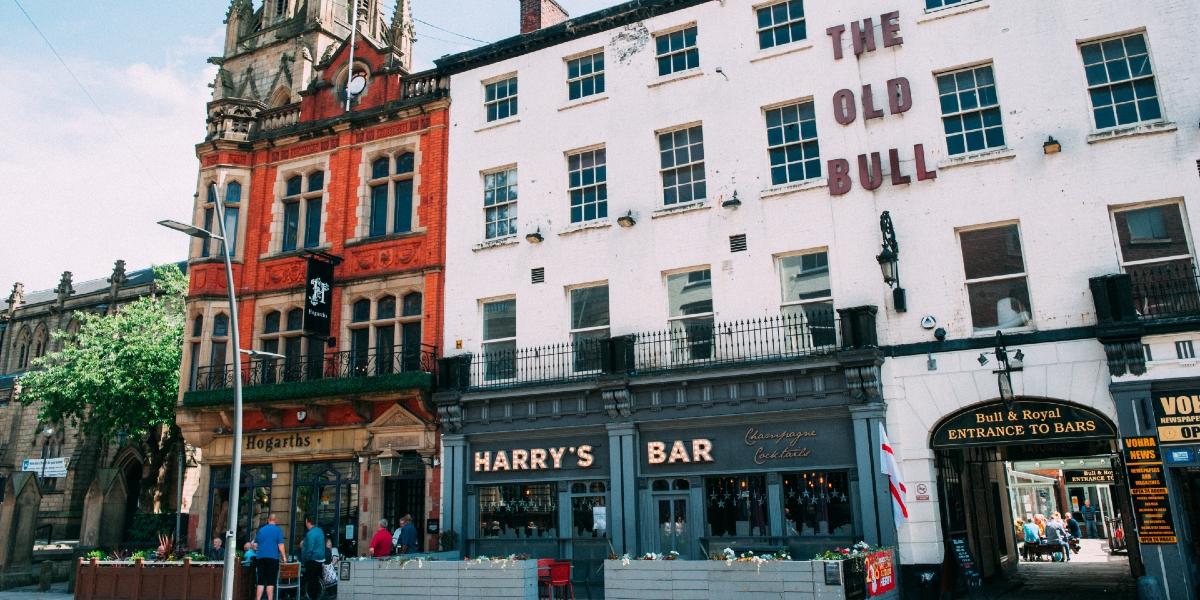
x=318 y=297
x=1025 y=421
x=1177 y=416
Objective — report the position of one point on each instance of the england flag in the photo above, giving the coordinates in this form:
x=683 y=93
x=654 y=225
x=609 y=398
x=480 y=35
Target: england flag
x=889 y=467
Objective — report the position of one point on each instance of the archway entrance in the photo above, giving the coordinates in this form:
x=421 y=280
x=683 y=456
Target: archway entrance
x=999 y=464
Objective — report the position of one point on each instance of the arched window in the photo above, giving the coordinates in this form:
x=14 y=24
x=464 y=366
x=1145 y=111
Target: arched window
x=281 y=334
x=391 y=194
x=197 y=335
x=220 y=344
x=382 y=341
x=232 y=205
x=302 y=211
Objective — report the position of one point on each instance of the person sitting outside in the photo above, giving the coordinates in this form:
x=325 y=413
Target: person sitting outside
x=381 y=542
x=1032 y=536
x=1056 y=534
x=1073 y=529
x=217 y=552
x=248 y=554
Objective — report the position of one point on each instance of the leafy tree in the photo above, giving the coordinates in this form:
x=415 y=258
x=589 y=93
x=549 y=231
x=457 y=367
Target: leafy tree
x=119 y=375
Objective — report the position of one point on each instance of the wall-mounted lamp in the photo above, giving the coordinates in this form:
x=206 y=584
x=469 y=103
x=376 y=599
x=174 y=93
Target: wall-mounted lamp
x=1051 y=146
x=732 y=202
x=1006 y=365
x=535 y=237
x=889 y=261
x=392 y=463
x=626 y=220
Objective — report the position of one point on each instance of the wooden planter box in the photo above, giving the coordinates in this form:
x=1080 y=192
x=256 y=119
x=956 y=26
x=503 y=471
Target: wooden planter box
x=413 y=580
x=714 y=579
x=140 y=580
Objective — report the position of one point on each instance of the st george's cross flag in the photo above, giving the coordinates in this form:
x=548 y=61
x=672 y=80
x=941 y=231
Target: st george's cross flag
x=887 y=462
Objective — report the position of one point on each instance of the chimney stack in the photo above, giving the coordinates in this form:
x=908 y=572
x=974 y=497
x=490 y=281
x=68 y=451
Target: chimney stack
x=539 y=14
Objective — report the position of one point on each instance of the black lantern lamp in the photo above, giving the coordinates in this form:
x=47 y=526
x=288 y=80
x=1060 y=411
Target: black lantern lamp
x=389 y=462
x=889 y=261
x=1006 y=365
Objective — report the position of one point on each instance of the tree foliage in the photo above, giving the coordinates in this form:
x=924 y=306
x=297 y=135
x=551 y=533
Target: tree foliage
x=120 y=371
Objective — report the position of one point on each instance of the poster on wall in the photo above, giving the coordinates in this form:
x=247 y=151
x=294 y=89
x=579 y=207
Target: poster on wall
x=1148 y=489
x=881 y=573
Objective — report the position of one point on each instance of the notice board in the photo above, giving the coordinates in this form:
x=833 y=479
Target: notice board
x=1148 y=488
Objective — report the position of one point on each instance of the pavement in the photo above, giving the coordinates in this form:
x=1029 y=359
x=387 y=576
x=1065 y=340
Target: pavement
x=1092 y=574
x=58 y=591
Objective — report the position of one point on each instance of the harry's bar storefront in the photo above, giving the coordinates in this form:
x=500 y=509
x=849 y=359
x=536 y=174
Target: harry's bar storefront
x=755 y=457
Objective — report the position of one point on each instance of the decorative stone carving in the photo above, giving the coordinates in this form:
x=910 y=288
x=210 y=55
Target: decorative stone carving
x=617 y=402
x=863 y=383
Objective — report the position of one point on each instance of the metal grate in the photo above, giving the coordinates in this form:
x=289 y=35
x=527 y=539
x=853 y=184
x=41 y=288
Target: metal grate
x=537 y=275
x=737 y=243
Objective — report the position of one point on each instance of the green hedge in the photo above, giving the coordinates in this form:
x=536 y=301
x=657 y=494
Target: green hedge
x=318 y=388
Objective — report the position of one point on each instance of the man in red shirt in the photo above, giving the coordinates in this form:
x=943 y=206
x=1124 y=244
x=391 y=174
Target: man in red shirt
x=381 y=542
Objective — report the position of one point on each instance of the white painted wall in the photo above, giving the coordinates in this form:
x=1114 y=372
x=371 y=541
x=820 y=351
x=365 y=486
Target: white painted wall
x=1061 y=201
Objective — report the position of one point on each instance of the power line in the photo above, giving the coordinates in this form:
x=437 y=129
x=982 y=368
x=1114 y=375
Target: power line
x=459 y=43
x=83 y=88
x=448 y=31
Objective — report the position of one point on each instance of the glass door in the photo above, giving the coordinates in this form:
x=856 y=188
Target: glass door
x=328 y=492
x=674 y=532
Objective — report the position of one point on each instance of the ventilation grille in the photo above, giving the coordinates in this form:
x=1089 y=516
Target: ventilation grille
x=737 y=243
x=537 y=275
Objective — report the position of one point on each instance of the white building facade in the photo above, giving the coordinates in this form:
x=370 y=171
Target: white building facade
x=684 y=163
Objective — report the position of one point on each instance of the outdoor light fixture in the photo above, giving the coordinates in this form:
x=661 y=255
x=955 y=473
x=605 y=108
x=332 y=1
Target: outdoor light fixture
x=626 y=220
x=260 y=354
x=1005 y=367
x=1051 y=146
x=889 y=261
x=982 y=359
x=535 y=237
x=732 y=202
x=389 y=463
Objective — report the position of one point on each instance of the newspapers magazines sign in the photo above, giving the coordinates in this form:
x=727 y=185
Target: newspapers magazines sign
x=318 y=297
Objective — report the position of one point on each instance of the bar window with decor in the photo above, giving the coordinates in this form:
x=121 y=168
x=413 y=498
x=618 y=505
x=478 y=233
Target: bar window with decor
x=817 y=503
x=523 y=515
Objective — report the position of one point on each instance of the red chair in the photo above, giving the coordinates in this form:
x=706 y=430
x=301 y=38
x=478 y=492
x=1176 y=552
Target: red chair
x=543 y=567
x=560 y=577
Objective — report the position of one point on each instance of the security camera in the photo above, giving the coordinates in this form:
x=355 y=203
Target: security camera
x=940 y=334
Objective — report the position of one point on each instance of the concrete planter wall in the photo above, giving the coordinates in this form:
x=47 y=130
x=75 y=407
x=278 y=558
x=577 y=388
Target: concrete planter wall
x=712 y=579
x=413 y=580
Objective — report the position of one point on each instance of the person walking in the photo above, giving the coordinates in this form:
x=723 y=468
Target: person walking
x=1056 y=534
x=269 y=544
x=405 y=538
x=1091 y=518
x=312 y=559
x=381 y=542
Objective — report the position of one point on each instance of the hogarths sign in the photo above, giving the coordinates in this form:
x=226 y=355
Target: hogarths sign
x=1025 y=421
x=318 y=297
x=1177 y=416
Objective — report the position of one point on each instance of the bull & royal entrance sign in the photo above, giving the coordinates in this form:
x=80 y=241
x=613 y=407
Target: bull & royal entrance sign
x=1024 y=422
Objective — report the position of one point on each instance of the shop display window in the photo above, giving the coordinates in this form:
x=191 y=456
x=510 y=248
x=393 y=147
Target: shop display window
x=327 y=492
x=817 y=503
x=589 y=509
x=254 y=502
x=518 y=511
x=736 y=506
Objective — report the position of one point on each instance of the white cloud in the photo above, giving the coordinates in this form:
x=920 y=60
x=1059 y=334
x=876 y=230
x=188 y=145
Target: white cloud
x=79 y=190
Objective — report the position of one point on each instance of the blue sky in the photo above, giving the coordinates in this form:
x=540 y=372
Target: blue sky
x=85 y=186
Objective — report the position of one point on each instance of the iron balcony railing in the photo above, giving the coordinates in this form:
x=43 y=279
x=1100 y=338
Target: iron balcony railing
x=336 y=365
x=1165 y=291
x=688 y=343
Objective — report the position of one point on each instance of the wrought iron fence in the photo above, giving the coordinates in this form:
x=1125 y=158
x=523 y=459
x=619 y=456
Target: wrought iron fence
x=688 y=343
x=1169 y=290
x=336 y=365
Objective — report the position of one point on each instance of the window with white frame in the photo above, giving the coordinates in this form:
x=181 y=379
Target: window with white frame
x=806 y=301
x=676 y=51
x=281 y=334
x=589 y=325
x=385 y=334
x=500 y=204
x=936 y=4
x=995 y=276
x=587 y=185
x=681 y=164
x=1157 y=254
x=500 y=339
x=792 y=143
x=970 y=110
x=690 y=316
x=500 y=99
x=231 y=204
x=781 y=23
x=585 y=76
x=391 y=194
x=1120 y=81
x=301 y=200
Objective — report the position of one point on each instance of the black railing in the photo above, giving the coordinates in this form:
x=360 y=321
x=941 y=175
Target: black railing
x=335 y=365
x=688 y=343
x=1165 y=291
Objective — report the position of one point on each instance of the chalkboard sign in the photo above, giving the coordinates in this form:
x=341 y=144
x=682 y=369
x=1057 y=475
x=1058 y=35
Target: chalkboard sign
x=970 y=572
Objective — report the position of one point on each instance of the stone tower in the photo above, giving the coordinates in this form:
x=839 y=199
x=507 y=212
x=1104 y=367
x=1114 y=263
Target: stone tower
x=274 y=48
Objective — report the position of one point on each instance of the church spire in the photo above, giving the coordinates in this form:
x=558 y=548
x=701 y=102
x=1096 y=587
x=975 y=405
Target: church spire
x=400 y=35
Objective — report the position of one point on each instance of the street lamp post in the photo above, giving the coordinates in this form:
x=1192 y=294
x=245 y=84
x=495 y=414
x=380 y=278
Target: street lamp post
x=236 y=468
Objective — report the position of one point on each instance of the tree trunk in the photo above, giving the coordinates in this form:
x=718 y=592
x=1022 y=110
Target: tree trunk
x=162 y=455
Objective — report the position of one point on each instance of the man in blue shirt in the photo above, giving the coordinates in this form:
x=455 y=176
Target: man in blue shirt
x=312 y=556
x=406 y=536
x=269 y=542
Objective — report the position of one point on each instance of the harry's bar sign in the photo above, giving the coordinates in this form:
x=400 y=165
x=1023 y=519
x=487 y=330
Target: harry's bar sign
x=1177 y=416
x=1026 y=421
x=534 y=459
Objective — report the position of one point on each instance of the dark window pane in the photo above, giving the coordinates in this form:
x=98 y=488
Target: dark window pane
x=361 y=311
x=817 y=503
x=412 y=304
x=312 y=223
x=1148 y=233
x=991 y=252
x=999 y=304
x=379 y=168
x=386 y=308
x=405 y=163
x=233 y=193
x=500 y=319
x=589 y=307
x=221 y=325
x=404 y=205
x=379 y=208
x=293 y=186
x=736 y=506
x=316 y=181
x=291 y=224
x=295 y=319
x=271 y=322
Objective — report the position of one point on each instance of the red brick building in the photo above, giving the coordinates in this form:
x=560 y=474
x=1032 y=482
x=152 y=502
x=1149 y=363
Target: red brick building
x=303 y=178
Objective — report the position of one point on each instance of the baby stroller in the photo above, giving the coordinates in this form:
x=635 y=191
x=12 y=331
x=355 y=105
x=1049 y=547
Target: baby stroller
x=329 y=579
